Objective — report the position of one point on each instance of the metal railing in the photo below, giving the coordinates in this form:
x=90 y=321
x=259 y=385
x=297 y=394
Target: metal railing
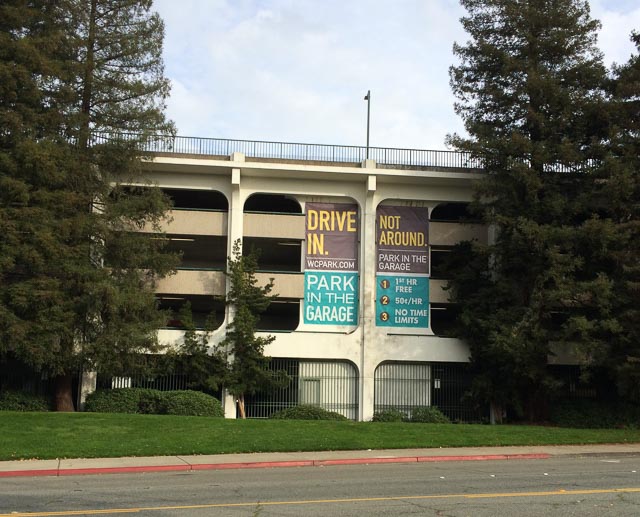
x=385 y=157
x=164 y=382
x=299 y=151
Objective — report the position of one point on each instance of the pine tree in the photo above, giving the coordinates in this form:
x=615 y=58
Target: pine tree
x=530 y=89
x=248 y=370
x=204 y=368
x=617 y=198
x=76 y=271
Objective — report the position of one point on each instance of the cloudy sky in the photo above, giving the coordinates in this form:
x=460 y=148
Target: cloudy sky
x=298 y=70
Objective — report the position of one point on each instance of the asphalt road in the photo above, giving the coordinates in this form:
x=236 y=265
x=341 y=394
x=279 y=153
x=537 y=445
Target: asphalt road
x=581 y=486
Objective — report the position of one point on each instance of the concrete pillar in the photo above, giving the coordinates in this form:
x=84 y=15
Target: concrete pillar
x=87 y=386
x=229 y=405
x=368 y=303
x=236 y=215
x=234 y=233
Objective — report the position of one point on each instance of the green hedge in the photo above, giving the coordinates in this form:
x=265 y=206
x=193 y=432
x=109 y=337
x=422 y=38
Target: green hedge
x=122 y=400
x=194 y=403
x=421 y=415
x=428 y=415
x=305 y=412
x=153 y=402
x=11 y=400
x=389 y=415
x=589 y=414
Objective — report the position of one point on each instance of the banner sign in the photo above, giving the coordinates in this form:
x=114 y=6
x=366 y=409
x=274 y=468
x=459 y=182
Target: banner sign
x=331 y=264
x=331 y=298
x=402 y=301
x=402 y=235
x=402 y=272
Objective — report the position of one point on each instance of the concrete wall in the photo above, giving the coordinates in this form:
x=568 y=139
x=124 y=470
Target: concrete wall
x=366 y=345
x=274 y=226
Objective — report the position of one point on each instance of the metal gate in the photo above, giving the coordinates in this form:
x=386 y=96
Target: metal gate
x=402 y=386
x=331 y=385
x=405 y=386
x=451 y=384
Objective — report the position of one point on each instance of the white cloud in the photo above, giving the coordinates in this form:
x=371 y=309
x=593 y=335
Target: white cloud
x=618 y=19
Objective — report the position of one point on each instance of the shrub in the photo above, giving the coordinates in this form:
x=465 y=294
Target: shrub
x=389 y=415
x=590 y=414
x=192 y=403
x=20 y=401
x=153 y=402
x=429 y=415
x=305 y=412
x=123 y=400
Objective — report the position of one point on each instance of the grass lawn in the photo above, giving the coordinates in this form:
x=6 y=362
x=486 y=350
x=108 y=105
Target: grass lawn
x=91 y=435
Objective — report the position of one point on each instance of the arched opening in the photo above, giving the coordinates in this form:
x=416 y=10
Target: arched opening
x=282 y=315
x=191 y=199
x=443 y=318
x=205 y=310
x=451 y=212
x=402 y=386
x=272 y=203
x=329 y=384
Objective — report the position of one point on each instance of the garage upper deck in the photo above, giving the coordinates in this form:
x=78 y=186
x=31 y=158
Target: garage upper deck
x=292 y=152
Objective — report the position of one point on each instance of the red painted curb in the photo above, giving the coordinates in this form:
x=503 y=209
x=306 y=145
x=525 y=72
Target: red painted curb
x=254 y=465
x=532 y=456
x=32 y=473
x=267 y=464
x=486 y=457
x=480 y=457
x=123 y=470
x=365 y=461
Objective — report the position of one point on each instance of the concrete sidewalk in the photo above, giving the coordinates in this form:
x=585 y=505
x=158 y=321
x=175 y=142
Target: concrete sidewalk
x=82 y=466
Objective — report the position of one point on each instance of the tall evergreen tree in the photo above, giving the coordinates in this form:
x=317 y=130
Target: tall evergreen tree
x=248 y=371
x=76 y=272
x=617 y=199
x=530 y=92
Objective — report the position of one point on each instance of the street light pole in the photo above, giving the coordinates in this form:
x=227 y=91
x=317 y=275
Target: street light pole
x=367 y=98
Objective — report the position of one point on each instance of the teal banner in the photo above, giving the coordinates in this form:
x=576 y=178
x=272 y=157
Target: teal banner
x=331 y=264
x=331 y=298
x=402 y=301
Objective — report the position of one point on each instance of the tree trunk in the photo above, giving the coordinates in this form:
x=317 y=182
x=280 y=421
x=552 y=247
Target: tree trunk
x=63 y=397
x=496 y=413
x=89 y=70
x=243 y=415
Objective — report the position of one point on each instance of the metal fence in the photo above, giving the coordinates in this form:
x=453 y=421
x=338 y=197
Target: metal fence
x=406 y=386
x=331 y=385
x=402 y=386
x=385 y=157
x=298 y=151
x=451 y=382
x=25 y=380
x=169 y=382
